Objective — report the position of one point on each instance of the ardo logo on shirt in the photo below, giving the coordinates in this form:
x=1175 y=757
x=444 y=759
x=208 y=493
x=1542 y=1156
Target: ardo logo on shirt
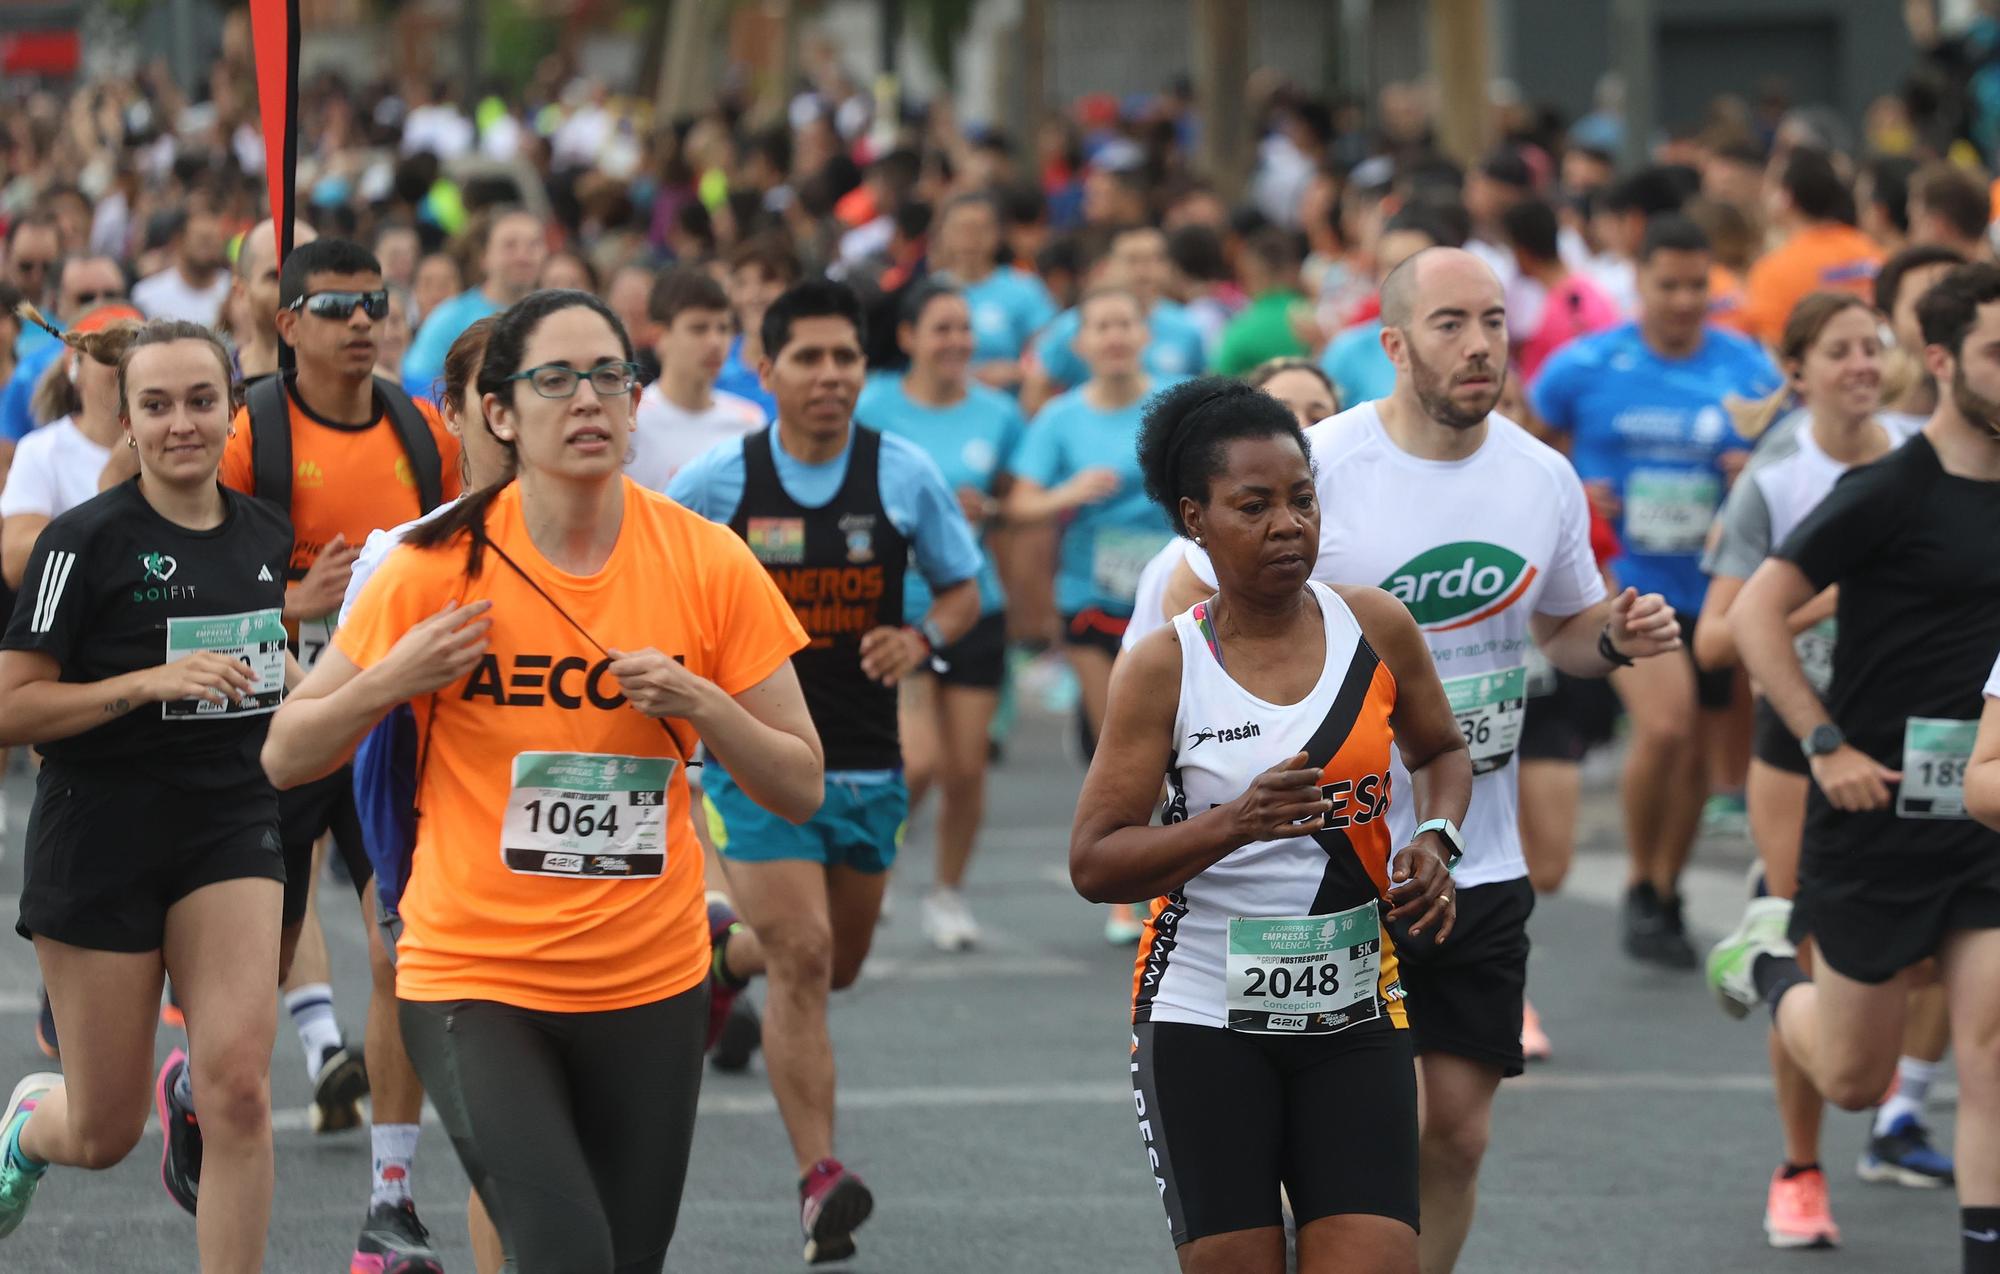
x=1457 y=585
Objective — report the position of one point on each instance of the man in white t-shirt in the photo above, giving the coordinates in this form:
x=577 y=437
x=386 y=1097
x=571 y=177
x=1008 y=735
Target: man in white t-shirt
x=197 y=283
x=683 y=414
x=1484 y=534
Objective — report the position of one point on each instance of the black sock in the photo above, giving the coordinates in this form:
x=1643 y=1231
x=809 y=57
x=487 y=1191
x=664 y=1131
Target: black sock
x=1791 y=1170
x=1981 y=1230
x=1773 y=976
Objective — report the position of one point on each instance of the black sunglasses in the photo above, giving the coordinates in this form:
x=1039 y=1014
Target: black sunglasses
x=84 y=299
x=341 y=305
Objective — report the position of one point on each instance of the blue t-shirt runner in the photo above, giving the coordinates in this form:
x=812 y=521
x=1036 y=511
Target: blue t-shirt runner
x=1008 y=307
x=1173 y=347
x=972 y=442
x=1107 y=543
x=1653 y=430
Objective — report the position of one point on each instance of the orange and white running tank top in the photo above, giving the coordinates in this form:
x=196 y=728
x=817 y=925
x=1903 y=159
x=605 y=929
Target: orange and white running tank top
x=1282 y=936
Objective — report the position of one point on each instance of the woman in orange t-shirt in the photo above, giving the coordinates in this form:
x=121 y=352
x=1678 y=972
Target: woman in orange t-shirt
x=565 y=639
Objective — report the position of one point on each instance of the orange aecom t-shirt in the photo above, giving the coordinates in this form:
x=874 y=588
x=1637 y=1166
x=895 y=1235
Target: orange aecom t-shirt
x=499 y=905
x=346 y=479
x=1822 y=258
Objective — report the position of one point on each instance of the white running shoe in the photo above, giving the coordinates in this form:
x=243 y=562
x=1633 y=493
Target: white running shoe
x=1762 y=931
x=948 y=923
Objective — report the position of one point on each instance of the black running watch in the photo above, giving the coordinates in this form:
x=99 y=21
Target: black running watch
x=1823 y=739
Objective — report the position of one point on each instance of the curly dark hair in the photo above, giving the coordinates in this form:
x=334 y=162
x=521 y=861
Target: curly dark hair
x=1188 y=428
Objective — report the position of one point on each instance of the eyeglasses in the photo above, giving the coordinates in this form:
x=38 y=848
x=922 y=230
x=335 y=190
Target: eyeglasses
x=340 y=306
x=553 y=380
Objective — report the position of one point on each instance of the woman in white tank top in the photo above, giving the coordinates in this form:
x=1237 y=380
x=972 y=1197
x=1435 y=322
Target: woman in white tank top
x=1269 y=1049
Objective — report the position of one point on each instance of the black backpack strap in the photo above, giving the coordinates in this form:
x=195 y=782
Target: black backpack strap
x=271 y=442
x=426 y=465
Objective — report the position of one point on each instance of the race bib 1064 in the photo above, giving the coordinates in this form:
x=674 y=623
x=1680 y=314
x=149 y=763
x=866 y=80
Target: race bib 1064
x=255 y=639
x=1936 y=753
x=1304 y=975
x=587 y=815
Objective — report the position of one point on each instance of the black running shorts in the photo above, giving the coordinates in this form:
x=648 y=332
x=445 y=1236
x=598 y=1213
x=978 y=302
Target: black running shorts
x=1465 y=997
x=978 y=660
x=111 y=850
x=1772 y=741
x=1226 y=1118
x=308 y=813
x=1095 y=629
x=1563 y=725
x=1713 y=687
x=1871 y=917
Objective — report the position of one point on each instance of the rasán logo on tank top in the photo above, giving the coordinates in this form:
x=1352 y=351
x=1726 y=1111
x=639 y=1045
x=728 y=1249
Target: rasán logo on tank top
x=1457 y=585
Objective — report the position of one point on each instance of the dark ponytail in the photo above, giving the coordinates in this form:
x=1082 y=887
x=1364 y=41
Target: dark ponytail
x=1187 y=428
x=506 y=350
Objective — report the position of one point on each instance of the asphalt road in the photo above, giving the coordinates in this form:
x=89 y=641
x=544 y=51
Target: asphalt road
x=984 y=1098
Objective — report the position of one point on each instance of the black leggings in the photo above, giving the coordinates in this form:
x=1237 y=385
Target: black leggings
x=574 y=1127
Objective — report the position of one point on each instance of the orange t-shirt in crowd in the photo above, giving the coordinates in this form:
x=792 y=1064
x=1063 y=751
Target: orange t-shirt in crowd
x=346 y=479
x=514 y=894
x=1725 y=297
x=1824 y=258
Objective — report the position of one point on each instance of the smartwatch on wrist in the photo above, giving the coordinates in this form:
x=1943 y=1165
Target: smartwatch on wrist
x=1447 y=832
x=1612 y=655
x=1823 y=739
x=933 y=635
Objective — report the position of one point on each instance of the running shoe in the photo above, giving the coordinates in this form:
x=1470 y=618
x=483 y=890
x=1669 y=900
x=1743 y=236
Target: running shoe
x=1904 y=1156
x=1653 y=929
x=742 y=1035
x=170 y=1012
x=1796 y=1214
x=1761 y=932
x=832 y=1205
x=394 y=1241
x=180 y=1135
x=45 y=1031
x=338 y=1087
x=948 y=922
x=17 y=1184
x=1725 y=814
x=1534 y=1040
x=1122 y=926
x=722 y=989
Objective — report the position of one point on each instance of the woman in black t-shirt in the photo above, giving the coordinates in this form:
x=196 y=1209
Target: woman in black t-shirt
x=144 y=657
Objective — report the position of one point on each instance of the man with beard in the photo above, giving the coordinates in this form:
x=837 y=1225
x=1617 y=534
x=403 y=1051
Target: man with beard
x=1484 y=534
x=197 y=283
x=1893 y=874
x=1644 y=406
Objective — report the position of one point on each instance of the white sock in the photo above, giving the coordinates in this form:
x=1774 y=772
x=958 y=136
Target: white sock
x=395 y=1147
x=1913 y=1084
x=311 y=1007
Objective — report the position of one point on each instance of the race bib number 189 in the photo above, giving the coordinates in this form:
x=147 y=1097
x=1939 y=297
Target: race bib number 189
x=1304 y=975
x=1936 y=752
x=586 y=815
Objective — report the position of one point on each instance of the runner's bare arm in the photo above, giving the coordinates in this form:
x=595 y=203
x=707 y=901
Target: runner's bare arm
x=1032 y=502
x=323 y=721
x=1639 y=628
x=37 y=706
x=1115 y=854
x=1982 y=777
x=764 y=736
x=1434 y=751
x=1850 y=778
x=1715 y=639
x=17 y=543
